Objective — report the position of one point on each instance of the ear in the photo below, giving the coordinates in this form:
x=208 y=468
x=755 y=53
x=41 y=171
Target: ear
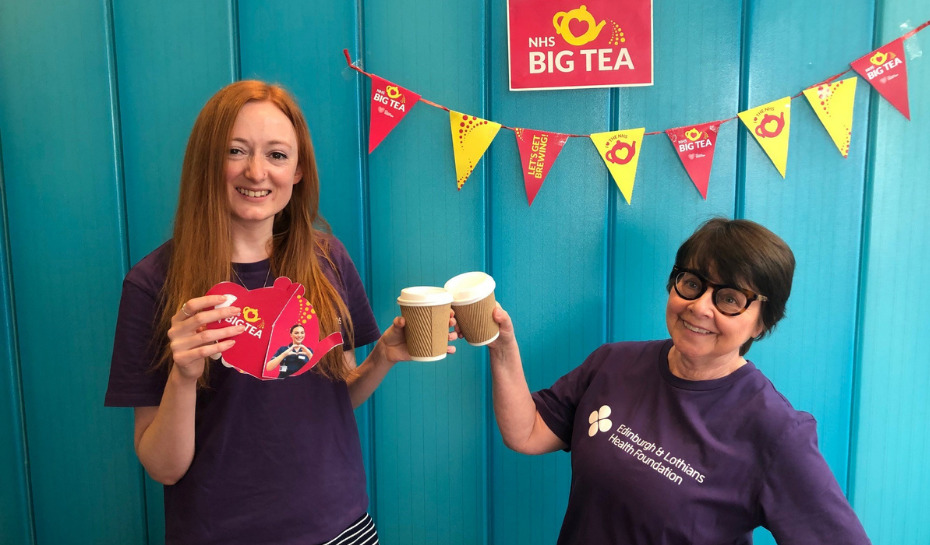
x=298 y=175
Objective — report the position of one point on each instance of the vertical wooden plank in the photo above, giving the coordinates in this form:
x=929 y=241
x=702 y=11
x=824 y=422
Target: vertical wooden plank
x=15 y=502
x=171 y=58
x=696 y=81
x=809 y=357
x=60 y=165
x=791 y=48
x=430 y=465
x=299 y=45
x=549 y=263
x=889 y=484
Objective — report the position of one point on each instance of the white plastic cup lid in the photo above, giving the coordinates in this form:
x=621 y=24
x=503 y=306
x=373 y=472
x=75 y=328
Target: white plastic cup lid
x=424 y=296
x=470 y=287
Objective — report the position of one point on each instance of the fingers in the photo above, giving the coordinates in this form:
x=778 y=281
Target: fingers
x=194 y=306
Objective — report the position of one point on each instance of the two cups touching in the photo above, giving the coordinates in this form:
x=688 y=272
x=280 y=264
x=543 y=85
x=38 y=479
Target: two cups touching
x=426 y=311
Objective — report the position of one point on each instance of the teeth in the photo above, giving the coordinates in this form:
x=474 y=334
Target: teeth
x=695 y=329
x=249 y=193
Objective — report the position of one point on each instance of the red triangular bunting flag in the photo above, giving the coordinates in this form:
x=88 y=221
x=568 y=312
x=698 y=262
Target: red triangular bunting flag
x=886 y=70
x=695 y=146
x=538 y=151
x=389 y=104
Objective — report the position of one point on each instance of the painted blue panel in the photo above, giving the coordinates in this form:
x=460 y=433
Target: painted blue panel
x=889 y=486
x=549 y=263
x=810 y=356
x=59 y=165
x=430 y=466
x=171 y=57
x=299 y=45
x=666 y=207
x=15 y=503
x=164 y=81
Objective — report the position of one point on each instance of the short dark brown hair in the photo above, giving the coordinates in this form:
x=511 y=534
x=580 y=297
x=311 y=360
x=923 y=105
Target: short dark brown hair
x=745 y=254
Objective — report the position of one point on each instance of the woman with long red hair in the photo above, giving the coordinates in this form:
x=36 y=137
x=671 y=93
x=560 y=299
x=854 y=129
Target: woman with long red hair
x=245 y=460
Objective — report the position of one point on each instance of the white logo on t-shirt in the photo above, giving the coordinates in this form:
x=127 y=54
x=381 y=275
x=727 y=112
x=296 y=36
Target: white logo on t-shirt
x=599 y=420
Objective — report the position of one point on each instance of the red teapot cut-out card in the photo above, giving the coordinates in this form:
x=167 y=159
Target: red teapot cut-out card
x=282 y=331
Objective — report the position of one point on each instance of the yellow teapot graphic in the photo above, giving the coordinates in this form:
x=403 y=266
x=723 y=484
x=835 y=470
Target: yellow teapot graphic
x=392 y=91
x=563 y=19
x=693 y=134
x=878 y=58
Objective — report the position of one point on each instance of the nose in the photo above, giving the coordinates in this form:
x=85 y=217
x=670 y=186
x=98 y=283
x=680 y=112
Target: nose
x=255 y=170
x=703 y=305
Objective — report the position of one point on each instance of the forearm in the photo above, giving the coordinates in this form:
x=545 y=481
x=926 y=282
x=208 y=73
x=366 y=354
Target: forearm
x=514 y=407
x=369 y=374
x=165 y=446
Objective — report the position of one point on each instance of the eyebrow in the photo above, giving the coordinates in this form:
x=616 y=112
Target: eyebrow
x=270 y=143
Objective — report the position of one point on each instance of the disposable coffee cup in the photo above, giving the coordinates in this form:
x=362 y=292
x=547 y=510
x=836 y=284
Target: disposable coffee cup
x=473 y=302
x=426 y=311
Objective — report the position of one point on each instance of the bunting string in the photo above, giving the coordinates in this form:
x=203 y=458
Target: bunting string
x=885 y=69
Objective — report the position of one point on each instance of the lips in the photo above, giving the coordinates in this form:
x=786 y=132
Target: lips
x=695 y=329
x=254 y=194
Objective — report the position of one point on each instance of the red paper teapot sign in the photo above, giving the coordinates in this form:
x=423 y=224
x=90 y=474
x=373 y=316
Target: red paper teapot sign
x=282 y=331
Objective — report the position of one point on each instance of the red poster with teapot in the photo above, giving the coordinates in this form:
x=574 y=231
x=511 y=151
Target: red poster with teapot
x=560 y=44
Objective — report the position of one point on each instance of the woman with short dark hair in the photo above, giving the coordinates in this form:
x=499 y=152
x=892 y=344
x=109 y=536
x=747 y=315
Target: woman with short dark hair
x=683 y=440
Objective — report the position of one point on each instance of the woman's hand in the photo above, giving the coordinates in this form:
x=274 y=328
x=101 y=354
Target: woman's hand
x=394 y=341
x=506 y=337
x=191 y=341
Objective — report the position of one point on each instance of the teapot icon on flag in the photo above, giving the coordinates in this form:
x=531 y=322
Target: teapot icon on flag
x=614 y=154
x=878 y=58
x=762 y=129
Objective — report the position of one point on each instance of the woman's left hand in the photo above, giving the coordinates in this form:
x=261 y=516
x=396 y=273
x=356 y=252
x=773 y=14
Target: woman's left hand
x=394 y=340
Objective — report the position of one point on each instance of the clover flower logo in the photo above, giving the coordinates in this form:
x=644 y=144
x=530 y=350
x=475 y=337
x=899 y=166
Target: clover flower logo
x=599 y=420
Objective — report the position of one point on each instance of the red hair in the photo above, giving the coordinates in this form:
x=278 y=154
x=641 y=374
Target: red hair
x=201 y=252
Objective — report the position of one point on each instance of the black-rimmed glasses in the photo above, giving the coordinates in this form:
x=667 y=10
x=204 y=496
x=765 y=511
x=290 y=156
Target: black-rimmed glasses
x=729 y=300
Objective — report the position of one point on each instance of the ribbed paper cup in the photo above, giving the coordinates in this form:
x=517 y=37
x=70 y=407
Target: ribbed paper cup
x=426 y=311
x=473 y=302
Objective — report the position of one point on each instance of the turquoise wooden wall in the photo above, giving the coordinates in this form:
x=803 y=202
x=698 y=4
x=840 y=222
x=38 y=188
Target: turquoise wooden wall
x=96 y=102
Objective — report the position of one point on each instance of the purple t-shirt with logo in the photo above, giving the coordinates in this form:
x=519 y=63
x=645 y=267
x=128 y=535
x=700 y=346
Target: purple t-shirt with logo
x=276 y=461
x=659 y=459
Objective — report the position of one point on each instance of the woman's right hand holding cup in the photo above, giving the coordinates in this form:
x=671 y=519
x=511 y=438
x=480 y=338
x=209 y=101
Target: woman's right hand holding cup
x=190 y=339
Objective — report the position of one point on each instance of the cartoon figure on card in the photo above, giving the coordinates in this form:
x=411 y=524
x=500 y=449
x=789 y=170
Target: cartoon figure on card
x=282 y=336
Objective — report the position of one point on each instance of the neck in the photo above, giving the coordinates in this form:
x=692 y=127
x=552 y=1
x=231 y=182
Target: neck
x=250 y=244
x=682 y=367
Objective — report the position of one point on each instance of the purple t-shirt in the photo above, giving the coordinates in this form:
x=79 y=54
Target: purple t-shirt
x=275 y=461
x=659 y=459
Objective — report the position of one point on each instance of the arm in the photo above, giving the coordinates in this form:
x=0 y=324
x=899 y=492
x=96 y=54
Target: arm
x=800 y=498
x=275 y=362
x=164 y=435
x=390 y=349
x=520 y=424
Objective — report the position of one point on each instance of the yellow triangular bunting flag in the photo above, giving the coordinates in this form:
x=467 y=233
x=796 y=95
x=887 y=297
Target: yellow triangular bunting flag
x=620 y=152
x=833 y=104
x=471 y=137
x=769 y=125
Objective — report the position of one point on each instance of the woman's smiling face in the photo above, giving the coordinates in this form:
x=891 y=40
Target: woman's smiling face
x=297 y=335
x=261 y=164
x=703 y=335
